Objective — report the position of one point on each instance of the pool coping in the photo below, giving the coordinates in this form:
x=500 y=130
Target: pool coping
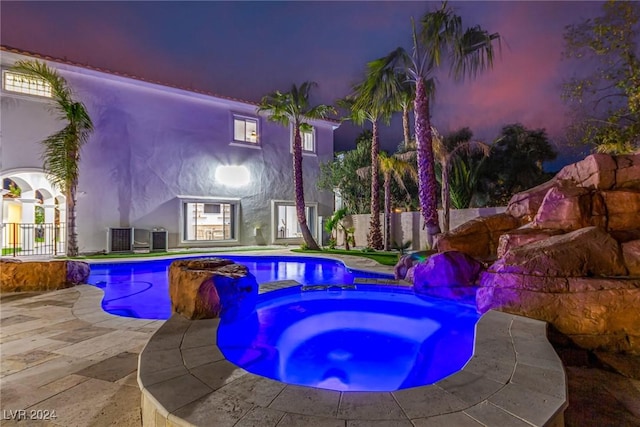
x=514 y=377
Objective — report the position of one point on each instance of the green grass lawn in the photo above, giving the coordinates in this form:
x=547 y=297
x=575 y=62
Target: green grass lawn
x=384 y=258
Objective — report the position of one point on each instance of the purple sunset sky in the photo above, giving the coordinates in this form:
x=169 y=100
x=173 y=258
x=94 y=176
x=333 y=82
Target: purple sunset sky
x=247 y=49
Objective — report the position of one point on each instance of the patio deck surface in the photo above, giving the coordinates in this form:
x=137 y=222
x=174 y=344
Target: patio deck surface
x=62 y=356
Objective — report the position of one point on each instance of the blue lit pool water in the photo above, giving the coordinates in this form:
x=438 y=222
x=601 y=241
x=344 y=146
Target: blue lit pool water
x=140 y=289
x=374 y=338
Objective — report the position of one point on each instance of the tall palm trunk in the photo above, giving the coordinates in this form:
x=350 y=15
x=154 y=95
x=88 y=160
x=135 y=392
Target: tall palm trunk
x=445 y=194
x=405 y=126
x=375 y=236
x=299 y=191
x=387 y=211
x=72 y=235
x=427 y=184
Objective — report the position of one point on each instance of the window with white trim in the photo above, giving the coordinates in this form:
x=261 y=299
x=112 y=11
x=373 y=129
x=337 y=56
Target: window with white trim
x=209 y=221
x=245 y=129
x=308 y=141
x=25 y=84
x=286 y=220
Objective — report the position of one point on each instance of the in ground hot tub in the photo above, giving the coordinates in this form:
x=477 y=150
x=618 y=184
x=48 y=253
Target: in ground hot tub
x=373 y=338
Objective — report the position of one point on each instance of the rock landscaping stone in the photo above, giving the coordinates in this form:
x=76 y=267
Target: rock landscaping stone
x=77 y=272
x=597 y=171
x=478 y=237
x=211 y=287
x=623 y=209
x=589 y=251
x=450 y=275
x=19 y=276
x=407 y=261
x=631 y=256
x=522 y=236
x=565 y=207
x=595 y=313
x=525 y=205
x=576 y=265
x=628 y=171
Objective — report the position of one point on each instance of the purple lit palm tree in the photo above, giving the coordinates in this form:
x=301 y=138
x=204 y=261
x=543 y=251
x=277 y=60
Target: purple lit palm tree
x=292 y=108
x=469 y=52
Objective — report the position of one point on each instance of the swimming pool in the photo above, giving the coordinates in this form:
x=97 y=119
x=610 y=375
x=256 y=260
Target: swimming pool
x=140 y=289
x=375 y=338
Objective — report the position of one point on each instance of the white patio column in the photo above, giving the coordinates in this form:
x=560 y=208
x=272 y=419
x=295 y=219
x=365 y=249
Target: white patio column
x=4 y=234
x=62 y=231
x=28 y=235
x=49 y=220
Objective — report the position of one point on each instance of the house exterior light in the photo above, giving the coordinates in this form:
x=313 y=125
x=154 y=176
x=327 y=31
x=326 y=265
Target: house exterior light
x=233 y=176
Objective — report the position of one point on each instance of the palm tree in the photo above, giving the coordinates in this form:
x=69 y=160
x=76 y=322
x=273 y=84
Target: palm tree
x=395 y=167
x=372 y=113
x=62 y=149
x=445 y=155
x=292 y=108
x=469 y=51
x=382 y=92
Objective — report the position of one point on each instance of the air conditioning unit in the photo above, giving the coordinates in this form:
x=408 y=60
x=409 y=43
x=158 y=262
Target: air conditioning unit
x=159 y=240
x=120 y=239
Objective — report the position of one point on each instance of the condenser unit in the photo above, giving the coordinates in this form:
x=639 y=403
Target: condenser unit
x=159 y=240
x=120 y=239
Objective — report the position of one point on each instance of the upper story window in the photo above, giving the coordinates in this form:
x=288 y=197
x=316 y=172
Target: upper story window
x=245 y=129
x=308 y=141
x=28 y=85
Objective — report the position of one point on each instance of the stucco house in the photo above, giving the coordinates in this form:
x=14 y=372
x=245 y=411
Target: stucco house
x=207 y=169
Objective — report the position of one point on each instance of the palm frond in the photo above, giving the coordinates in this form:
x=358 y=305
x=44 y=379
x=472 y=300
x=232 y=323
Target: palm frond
x=473 y=52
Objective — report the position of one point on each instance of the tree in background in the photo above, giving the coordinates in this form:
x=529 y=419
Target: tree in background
x=339 y=175
x=606 y=96
x=396 y=167
x=292 y=108
x=469 y=51
x=460 y=185
x=62 y=149
x=515 y=162
x=371 y=101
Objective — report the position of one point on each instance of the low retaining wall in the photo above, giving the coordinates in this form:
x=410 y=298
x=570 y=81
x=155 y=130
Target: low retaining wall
x=408 y=225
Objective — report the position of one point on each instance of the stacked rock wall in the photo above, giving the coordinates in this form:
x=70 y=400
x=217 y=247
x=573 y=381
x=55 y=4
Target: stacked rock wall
x=576 y=260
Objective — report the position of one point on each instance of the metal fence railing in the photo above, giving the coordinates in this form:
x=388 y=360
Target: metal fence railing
x=23 y=239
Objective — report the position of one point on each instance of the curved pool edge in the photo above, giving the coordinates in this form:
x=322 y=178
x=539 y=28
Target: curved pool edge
x=514 y=376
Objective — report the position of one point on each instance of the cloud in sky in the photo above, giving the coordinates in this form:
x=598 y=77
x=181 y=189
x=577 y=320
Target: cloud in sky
x=247 y=49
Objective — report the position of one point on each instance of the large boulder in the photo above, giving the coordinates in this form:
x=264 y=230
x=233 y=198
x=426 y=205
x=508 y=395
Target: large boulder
x=31 y=276
x=631 y=256
x=590 y=251
x=450 y=274
x=407 y=261
x=565 y=207
x=211 y=287
x=597 y=171
x=522 y=236
x=525 y=205
x=596 y=313
x=77 y=272
x=478 y=237
x=628 y=171
x=623 y=209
